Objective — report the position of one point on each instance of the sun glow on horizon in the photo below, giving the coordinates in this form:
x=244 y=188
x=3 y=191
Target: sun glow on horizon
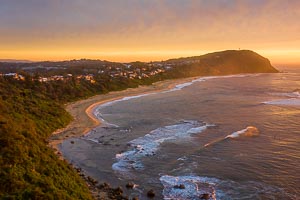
x=286 y=57
x=125 y=31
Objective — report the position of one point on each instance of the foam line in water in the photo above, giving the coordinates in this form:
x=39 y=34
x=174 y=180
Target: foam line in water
x=149 y=144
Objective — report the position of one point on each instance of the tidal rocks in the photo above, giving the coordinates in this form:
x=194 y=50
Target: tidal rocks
x=181 y=186
x=151 y=193
x=130 y=185
x=205 y=196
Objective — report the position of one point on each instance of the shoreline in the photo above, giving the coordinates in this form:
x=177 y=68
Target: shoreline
x=84 y=119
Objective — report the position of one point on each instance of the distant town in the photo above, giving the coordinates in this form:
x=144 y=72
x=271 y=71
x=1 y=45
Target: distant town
x=82 y=70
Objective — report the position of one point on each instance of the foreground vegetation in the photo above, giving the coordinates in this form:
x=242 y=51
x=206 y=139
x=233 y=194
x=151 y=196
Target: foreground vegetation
x=31 y=110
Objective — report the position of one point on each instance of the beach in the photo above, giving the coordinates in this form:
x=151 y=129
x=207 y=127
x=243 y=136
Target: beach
x=84 y=120
x=82 y=111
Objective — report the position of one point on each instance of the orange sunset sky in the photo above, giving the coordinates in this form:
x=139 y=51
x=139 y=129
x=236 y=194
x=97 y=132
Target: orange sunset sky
x=145 y=30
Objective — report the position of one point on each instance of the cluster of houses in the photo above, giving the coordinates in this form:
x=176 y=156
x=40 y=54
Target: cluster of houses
x=89 y=77
x=14 y=76
x=130 y=71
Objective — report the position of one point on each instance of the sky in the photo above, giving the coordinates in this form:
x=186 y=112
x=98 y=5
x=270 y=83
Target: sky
x=145 y=30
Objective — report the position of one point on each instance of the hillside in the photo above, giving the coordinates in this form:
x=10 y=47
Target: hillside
x=31 y=109
x=223 y=63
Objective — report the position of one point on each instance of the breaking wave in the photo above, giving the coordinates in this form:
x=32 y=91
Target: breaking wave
x=293 y=98
x=149 y=144
x=197 y=187
x=249 y=131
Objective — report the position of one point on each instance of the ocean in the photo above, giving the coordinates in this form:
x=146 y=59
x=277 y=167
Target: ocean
x=229 y=137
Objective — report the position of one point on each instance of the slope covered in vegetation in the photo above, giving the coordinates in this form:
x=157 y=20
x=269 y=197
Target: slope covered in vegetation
x=29 y=168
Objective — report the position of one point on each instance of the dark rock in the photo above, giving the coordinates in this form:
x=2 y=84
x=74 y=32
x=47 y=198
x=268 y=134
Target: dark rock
x=72 y=142
x=135 y=198
x=204 y=196
x=119 y=191
x=103 y=186
x=130 y=185
x=181 y=186
x=78 y=169
x=151 y=193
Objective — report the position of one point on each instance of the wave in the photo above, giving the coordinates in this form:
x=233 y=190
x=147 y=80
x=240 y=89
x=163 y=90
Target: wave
x=149 y=144
x=294 y=94
x=249 y=131
x=202 y=79
x=286 y=102
x=188 y=187
x=292 y=100
x=197 y=187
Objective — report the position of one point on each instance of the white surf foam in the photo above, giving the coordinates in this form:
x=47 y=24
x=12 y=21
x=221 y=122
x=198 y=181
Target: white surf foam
x=248 y=132
x=202 y=79
x=292 y=100
x=286 y=102
x=149 y=144
x=192 y=187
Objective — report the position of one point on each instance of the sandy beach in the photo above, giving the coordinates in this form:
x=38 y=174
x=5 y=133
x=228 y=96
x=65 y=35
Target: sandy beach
x=82 y=111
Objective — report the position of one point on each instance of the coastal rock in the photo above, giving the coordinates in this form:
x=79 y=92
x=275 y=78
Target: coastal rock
x=119 y=191
x=130 y=185
x=151 y=193
x=181 y=186
x=205 y=196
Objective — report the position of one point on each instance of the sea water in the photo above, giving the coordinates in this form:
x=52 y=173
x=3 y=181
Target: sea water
x=230 y=137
